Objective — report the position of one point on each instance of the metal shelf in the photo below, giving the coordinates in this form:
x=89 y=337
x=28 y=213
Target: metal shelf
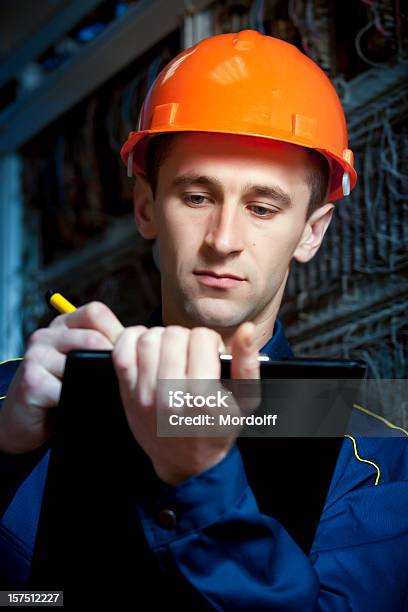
x=118 y=238
x=42 y=38
x=126 y=39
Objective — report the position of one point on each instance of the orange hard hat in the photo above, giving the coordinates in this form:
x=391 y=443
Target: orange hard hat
x=249 y=84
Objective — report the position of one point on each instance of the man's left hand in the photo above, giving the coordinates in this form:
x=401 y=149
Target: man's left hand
x=142 y=356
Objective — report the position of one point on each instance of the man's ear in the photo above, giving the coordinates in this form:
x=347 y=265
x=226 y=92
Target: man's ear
x=313 y=233
x=143 y=206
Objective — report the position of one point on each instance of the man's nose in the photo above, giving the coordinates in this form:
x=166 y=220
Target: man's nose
x=224 y=233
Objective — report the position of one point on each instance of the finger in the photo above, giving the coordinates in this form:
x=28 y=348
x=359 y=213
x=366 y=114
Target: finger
x=173 y=354
x=203 y=354
x=148 y=358
x=86 y=339
x=124 y=356
x=245 y=366
x=59 y=321
x=49 y=347
x=97 y=316
x=48 y=357
x=40 y=388
x=244 y=362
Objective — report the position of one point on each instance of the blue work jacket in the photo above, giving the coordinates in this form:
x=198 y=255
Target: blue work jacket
x=233 y=556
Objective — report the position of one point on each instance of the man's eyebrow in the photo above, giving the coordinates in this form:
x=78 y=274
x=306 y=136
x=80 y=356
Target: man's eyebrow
x=274 y=192
x=185 y=180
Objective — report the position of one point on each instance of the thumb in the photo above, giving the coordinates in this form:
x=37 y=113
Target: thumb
x=245 y=362
x=245 y=366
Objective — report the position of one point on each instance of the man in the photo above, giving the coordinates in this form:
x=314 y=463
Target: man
x=250 y=150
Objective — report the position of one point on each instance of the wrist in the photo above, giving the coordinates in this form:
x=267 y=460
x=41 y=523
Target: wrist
x=175 y=475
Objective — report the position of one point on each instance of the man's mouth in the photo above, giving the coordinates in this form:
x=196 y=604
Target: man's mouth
x=221 y=280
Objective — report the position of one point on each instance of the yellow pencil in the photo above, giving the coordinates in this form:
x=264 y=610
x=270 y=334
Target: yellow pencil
x=57 y=302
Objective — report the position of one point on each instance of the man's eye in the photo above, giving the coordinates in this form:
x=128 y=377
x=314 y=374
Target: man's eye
x=194 y=198
x=262 y=211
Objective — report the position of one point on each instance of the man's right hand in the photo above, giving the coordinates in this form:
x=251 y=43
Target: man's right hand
x=26 y=415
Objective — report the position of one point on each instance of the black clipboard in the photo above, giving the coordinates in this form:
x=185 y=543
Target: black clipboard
x=88 y=528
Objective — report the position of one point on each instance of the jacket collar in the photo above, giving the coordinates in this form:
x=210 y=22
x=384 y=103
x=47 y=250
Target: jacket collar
x=276 y=348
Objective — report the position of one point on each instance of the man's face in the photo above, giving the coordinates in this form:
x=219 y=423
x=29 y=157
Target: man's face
x=228 y=204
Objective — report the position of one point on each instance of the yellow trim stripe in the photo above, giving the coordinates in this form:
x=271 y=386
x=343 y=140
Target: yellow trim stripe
x=365 y=460
x=380 y=418
x=9 y=360
x=3 y=397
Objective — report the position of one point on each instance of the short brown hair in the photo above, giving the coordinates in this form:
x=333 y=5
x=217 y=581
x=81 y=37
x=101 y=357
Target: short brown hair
x=318 y=173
